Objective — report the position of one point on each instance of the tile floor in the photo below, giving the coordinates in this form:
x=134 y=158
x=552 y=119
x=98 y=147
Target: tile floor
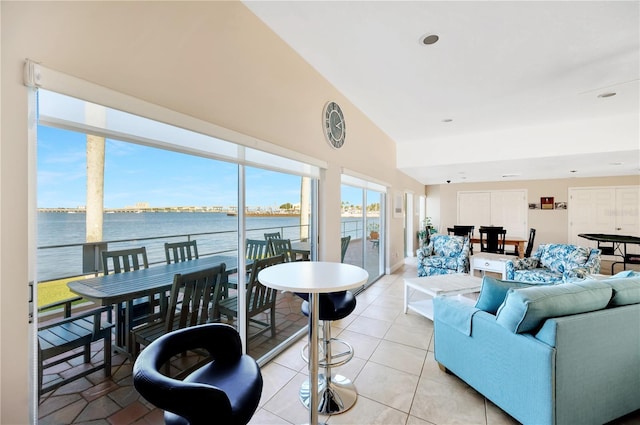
x=394 y=370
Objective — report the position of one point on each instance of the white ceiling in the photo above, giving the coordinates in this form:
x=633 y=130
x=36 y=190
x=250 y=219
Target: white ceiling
x=519 y=80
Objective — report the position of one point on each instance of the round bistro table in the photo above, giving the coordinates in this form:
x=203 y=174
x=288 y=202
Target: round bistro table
x=313 y=277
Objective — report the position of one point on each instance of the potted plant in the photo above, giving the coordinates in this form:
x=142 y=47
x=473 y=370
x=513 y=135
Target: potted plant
x=374 y=231
x=426 y=231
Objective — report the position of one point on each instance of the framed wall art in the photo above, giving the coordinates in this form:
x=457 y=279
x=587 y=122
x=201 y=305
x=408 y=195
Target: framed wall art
x=398 y=205
x=546 y=203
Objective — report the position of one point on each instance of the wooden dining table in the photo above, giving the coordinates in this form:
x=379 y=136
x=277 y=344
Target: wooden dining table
x=514 y=241
x=156 y=280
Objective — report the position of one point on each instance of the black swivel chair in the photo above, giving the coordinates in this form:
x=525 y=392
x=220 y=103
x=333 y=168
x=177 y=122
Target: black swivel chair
x=225 y=391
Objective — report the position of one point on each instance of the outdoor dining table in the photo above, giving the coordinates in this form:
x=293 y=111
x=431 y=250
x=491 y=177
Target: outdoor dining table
x=314 y=278
x=124 y=287
x=303 y=248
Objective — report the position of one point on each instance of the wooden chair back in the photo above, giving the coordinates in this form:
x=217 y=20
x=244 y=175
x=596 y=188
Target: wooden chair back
x=192 y=302
x=255 y=249
x=176 y=252
x=125 y=260
x=492 y=239
x=260 y=298
x=282 y=247
x=268 y=237
x=199 y=291
x=532 y=236
x=344 y=245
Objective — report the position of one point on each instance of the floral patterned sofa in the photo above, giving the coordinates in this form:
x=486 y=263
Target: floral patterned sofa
x=555 y=263
x=443 y=255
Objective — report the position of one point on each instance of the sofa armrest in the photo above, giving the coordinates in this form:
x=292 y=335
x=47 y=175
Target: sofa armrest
x=514 y=371
x=597 y=364
x=520 y=264
x=425 y=251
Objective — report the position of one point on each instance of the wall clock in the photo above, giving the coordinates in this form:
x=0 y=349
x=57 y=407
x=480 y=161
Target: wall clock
x=334 y=125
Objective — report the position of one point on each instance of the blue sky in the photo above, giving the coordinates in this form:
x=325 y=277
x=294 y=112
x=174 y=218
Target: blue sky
x=135 y=173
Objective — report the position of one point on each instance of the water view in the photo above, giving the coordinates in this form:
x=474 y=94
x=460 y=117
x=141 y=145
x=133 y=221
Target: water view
x=214 y=232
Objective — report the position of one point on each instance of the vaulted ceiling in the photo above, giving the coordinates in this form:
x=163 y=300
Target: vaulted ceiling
x=510 y=91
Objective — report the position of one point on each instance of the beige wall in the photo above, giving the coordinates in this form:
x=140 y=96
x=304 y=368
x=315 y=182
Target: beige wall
x=551 y=226
x=212 y=60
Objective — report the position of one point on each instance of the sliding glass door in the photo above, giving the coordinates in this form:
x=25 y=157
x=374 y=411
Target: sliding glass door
x=363 y=220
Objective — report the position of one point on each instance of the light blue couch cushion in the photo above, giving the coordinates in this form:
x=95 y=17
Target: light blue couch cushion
x=525 y=309
x=494 y=291
x=626 y=288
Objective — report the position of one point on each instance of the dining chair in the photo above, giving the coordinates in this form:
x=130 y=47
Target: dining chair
x=466 y=231
x=142 y=310
x=344 y=241
x=259 y=298
x=282 y=247
x=192 y=301
x=529 y=249
x=180 y=251
x=224 y=389
x=268 y=237
x=66 y=336
x=492 y=240
x=255 y=249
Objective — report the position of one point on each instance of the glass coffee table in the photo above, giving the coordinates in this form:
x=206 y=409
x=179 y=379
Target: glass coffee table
x=444 y=285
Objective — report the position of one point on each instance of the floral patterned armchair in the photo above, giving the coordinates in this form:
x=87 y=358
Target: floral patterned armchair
x=443 y=255
x=555 y=263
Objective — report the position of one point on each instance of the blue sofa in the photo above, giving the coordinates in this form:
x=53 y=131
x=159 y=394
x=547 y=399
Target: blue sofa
x=547 y=354
x=443 y=254
x=554 y=263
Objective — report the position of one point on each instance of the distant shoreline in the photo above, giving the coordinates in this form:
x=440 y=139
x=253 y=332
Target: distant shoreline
x=189 y=210
x=167 y=210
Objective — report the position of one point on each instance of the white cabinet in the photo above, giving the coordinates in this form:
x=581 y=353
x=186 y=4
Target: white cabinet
x=610 y=210
x=506 y=208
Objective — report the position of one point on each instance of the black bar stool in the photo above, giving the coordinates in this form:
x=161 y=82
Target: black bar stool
x=336 y=393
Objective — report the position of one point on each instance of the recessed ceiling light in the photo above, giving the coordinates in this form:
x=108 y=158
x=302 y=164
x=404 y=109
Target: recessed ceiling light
x=608 y=94
x=615 y=163
x=447 y=120
x=429 y=39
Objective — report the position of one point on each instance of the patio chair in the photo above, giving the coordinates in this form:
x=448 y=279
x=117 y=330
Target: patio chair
x=191 y=302
x=344 y=241
x=225 y=390
x=268 y=237
x=66 y=336
x=259 y=298
x=180 y=251
x=142 y=310
x=282 y=247
x=255 y=249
